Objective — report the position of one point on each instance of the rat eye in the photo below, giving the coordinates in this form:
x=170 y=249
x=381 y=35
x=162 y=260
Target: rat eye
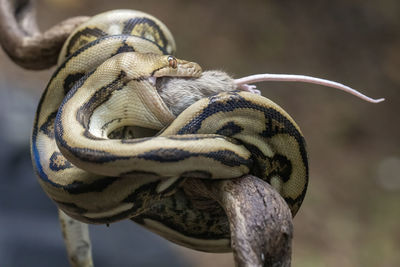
x=173 y=63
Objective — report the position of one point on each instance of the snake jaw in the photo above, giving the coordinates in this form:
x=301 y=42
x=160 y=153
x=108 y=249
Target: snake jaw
x=183 y=69
x=179 y=68
x=169 y=66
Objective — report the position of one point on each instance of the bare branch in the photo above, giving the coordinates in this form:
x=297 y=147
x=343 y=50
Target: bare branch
x=21 y=39
x=260 y=220
x=77 y=241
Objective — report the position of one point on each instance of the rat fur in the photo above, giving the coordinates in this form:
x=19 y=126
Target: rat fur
x=180 y=93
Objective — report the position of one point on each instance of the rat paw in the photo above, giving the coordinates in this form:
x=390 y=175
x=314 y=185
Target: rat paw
x=249 y=88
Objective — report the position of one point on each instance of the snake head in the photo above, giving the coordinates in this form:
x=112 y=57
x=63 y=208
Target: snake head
x=170 y=66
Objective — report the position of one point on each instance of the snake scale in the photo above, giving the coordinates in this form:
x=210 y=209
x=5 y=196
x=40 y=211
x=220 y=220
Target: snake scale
x=106 y=147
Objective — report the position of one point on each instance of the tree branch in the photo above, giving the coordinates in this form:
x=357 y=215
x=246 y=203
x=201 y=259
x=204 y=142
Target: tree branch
x=77 y=241
x=23 y=42
x=260 y=220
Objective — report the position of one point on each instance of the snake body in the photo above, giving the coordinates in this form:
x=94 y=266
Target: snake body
x=94 y=151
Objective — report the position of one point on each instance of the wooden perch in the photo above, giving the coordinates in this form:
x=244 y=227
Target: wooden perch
x=22 y=40
x=260 y=220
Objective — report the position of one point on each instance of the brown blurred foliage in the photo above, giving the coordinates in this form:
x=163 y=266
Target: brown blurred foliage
x=350 y=216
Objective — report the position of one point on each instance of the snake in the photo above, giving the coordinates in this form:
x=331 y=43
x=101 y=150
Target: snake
x=106 y=147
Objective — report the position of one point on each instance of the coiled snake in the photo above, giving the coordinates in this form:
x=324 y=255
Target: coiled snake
x=93 y=147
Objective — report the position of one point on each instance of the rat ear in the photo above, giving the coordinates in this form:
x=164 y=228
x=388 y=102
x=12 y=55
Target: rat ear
x=243 y=83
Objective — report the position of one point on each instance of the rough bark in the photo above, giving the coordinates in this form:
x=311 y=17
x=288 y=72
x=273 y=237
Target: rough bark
x=77 y=241
x=22 y=40
x=260 y=220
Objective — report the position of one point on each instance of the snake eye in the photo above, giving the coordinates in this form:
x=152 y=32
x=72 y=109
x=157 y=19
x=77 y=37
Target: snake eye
x=173 y=63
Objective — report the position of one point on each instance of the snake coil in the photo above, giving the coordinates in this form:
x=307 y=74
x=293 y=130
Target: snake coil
x=93 y=143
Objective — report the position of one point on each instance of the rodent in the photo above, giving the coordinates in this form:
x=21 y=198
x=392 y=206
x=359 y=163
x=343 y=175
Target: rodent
x=179 y=93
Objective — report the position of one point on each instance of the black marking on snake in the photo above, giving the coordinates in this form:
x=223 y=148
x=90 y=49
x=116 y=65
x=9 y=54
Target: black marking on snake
x=280 y=166
x=155 y=70
x=98 y=98
x=175 y=217
x=94 y=155
x=48 y=126
x=58 y=128
x=148 y=26
x=139 y=173
x=255 y=151
x=276 y=123
x=59 y=162
x=125 y=48
x=84 y=154
x=99 y=185
x=193 y=230
x=172 y=187
x=137 y=198
x=132 y=132
x=44 y=95
x=105 y=125
x=71 y=80
x=38 y=167
x=166 y=155
x=101 y=96
x=85 y=33
x=141 y=198
x=229 y=129
x=70 y=94
x=77 y=53
x=258 y=168
x=196 y=174
x=135 y=141
x=226 y=157
x=193 y=137
x=90 y=136
x=37 y=161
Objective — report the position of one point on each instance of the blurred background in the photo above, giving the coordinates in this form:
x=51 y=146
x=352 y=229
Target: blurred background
x=351 y=213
